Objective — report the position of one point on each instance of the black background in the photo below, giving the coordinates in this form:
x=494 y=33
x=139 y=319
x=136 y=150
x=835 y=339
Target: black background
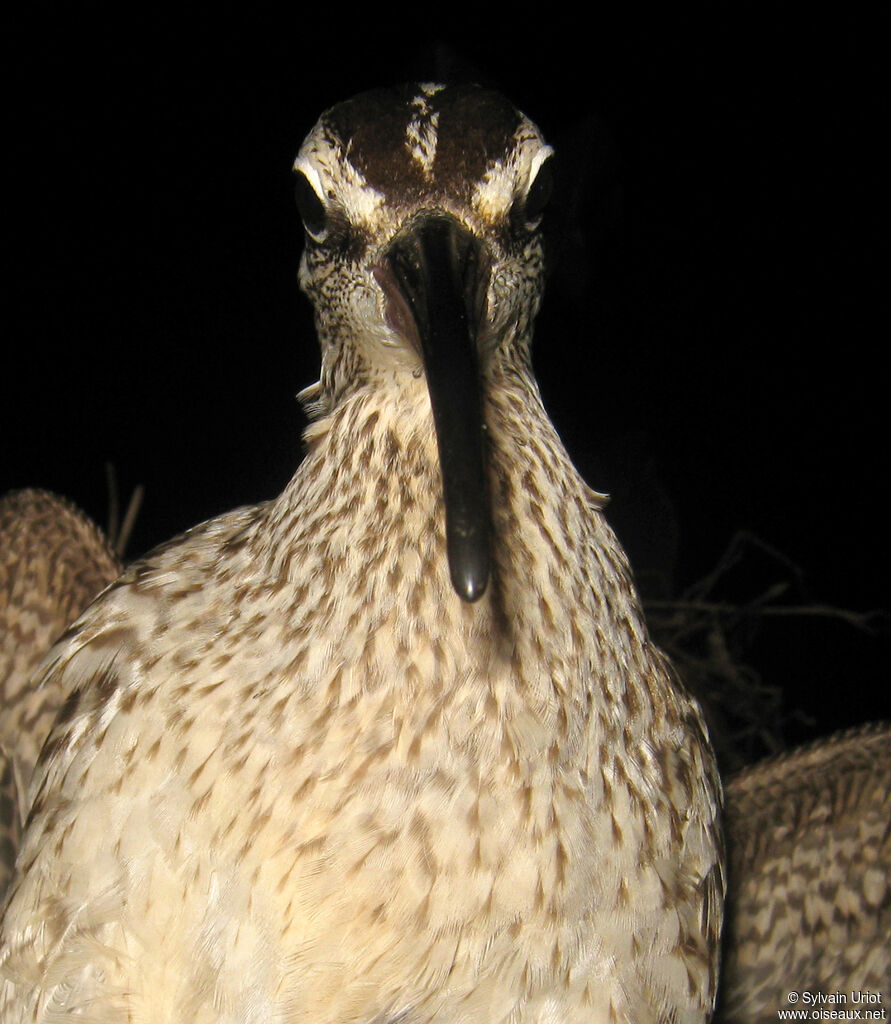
x=711 y=342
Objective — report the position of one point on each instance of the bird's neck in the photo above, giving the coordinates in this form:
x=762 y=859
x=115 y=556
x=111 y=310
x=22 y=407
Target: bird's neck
x=361 y=525
x=355 y=548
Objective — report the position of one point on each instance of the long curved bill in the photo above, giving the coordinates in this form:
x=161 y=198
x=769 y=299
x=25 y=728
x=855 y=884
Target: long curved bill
x=441 y=274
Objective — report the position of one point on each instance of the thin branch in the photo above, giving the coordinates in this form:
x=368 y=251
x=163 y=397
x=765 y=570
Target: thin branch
x=119 y=533
x=860 y=620
x=123 y=537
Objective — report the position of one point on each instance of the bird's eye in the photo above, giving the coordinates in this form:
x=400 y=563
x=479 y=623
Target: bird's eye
x=311 y=208
x=539 y=192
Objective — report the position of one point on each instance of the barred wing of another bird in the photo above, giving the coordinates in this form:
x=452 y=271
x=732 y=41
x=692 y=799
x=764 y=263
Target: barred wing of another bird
x=53 y=562
x=809 y=900
x=10 y=824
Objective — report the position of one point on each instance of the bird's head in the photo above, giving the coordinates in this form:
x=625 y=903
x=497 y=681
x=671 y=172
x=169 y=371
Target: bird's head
x=422 y=207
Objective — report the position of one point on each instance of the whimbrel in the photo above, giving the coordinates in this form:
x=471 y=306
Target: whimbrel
x=809 y=859
x=394 y=746
x=53 y=562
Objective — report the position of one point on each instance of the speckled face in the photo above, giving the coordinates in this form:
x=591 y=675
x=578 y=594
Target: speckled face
x=376 y=163
x=422 y=206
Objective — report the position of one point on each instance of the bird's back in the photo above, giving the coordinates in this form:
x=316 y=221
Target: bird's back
x=809 y=851
x=53 y=562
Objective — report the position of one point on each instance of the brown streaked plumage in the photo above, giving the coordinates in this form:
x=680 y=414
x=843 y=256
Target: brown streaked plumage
x=809 y=865
x=394 y=746
x=53 y=562
x=10 y=818
x=808 y=832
